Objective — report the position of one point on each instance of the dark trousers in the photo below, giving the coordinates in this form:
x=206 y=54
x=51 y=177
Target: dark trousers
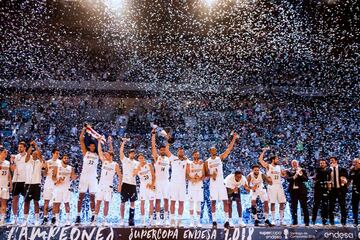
x=337 y=194
x=299 y=196
x=355 y=206
x=321 y=199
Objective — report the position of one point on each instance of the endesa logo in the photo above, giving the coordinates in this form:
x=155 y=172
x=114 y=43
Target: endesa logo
x=338 y=235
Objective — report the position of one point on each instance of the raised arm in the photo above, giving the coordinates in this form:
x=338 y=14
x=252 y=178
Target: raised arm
x=100 y=151
x=122 y=146
x=119 y=174
x=167 y=150
x=82 y=141
x=38 y=152
x=153 y=146
x=111 y=147
x=28 y=153
x=261 y=158
x=230 y=147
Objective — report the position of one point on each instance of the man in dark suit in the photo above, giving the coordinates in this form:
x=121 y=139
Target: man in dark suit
x=298 y=192
x=321 y=192
x=338 y=190
x=355 y=198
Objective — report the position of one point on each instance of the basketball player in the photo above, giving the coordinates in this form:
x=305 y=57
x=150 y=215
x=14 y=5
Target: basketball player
x=108 y=170
x=5 y=183
x=214 y=170
x=88 y=177
x=195 y=174
x=34 y=167
x=18 y=167
x=275 y=191
x=256 y=180
x=233 y=182
x=51 y=164
x=128 y=191
x=177 y=183
x=161 y=165
x=146 y=173
x=63 y=175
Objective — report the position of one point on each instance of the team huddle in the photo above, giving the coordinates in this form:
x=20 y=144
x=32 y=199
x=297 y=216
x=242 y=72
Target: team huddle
x=166 y=180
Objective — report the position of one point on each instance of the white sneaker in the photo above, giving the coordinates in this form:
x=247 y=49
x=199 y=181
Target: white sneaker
x=179 y=223
x=198 y=224
x=242 y=224
x=24 y=224
x=37 y=223
x=122 y=223
x=67 y=223
x=231 y=224
x=191 y=225
x=158 y=222
x=172 y=222
x=94 y=223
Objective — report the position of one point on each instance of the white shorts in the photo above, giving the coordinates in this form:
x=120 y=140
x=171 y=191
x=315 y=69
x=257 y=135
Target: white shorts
x=87 y=183
x=276 y=194
x=104 y=194
x=61 y=195
x=218 y=191
x=48 y=194
x=146 y=193
x=162 y=190
x=196 y=195
x=4 y=194
x=261 y=193
x=177 y=192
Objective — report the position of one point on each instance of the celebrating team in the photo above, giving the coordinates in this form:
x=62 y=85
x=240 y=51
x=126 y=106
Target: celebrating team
x=157 y=183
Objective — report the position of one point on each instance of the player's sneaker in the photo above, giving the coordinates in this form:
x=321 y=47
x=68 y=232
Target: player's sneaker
x=242 y=224
x=191 y=225
x=268 y=223
x=122 y=222
x=92 y=218
x=45 y=221
x=78 y=220
x=198 y=224
x=214 y=224
x=256 y=223
x=227 y=224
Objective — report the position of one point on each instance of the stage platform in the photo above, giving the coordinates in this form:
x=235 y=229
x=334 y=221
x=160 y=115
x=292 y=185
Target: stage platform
x=86 y=232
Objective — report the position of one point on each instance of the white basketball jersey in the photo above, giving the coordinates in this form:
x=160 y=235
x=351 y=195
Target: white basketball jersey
x=275 y=174
x=196 y=169
x=256 y=181
x=4 y=174
x=178 y=170
x=107 y=174
x=20 y=170
x=145 y=175
x=162 y=166
x=33 y=172
x=65 y=173
x=216 y=165
x=90 y=163
x=51 y=164
x=128 y=167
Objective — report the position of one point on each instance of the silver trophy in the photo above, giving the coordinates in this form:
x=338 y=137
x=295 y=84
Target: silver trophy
x=164 y=132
